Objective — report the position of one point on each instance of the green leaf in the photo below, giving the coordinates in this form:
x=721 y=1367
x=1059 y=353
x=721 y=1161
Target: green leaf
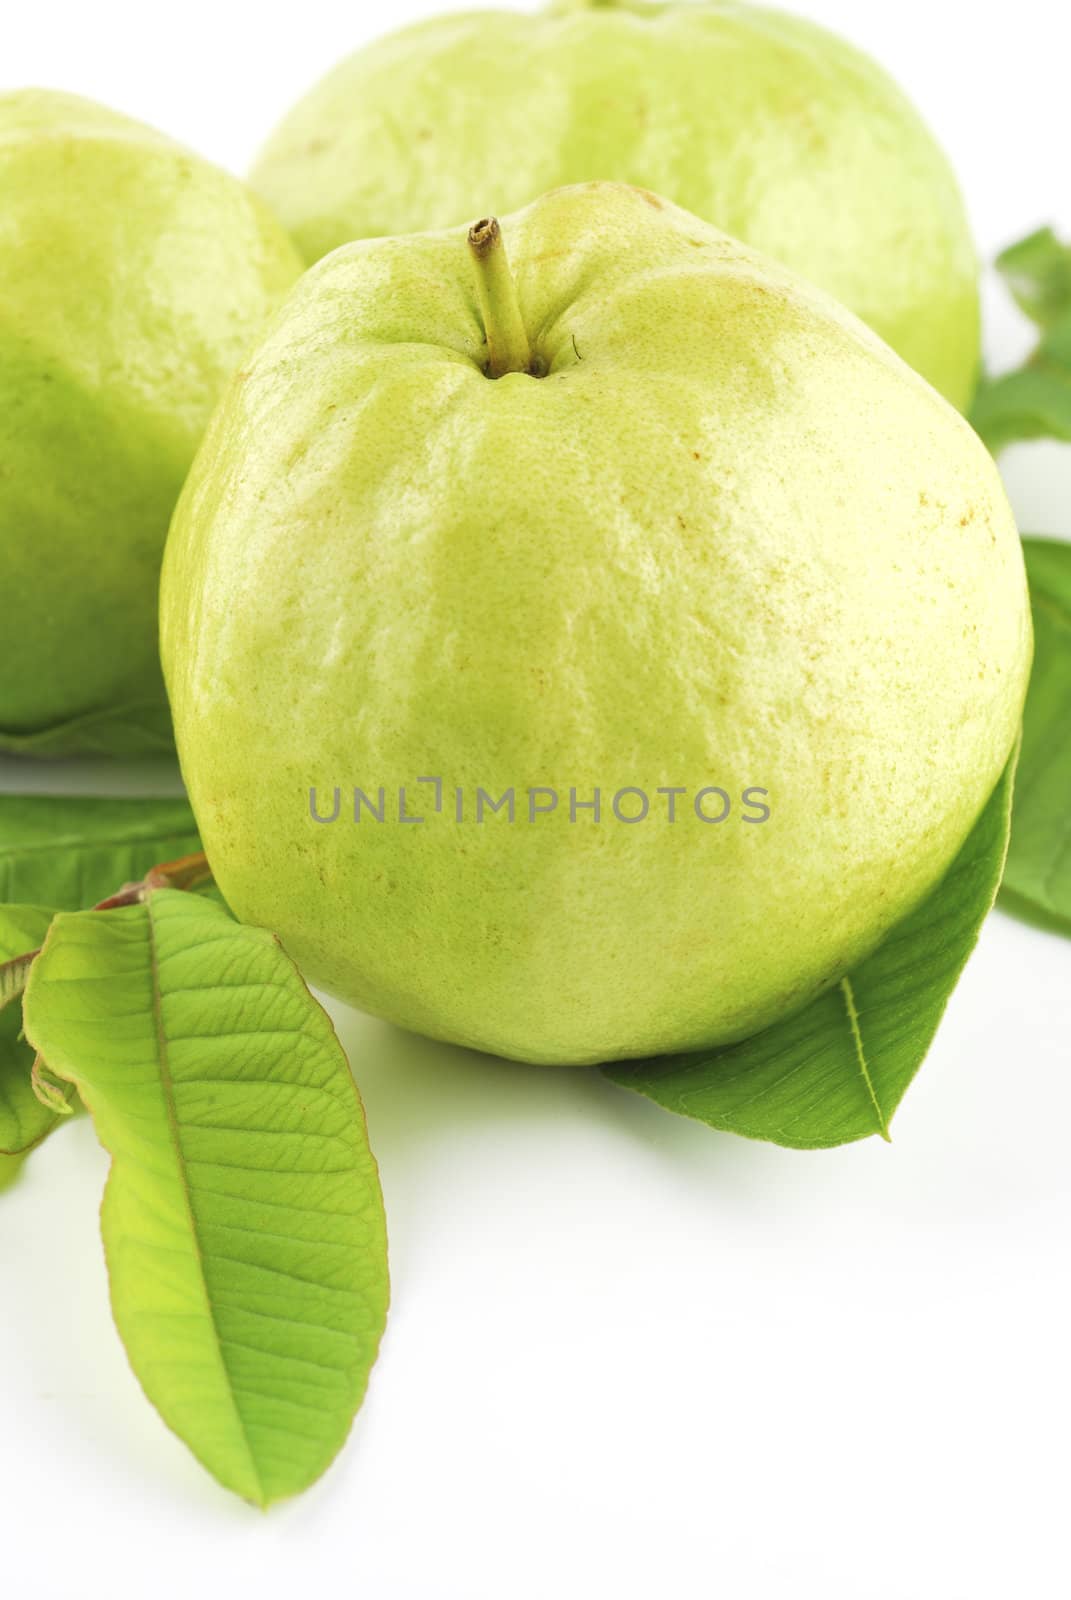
x=140 y=729
x=1037 y=271
x=1037 y=879
x=70 y=853
x=10 y=1171
x=837 y=1070
x=24 y=1122
x=14 y=970
x=1035 y=401
x=242 y=1220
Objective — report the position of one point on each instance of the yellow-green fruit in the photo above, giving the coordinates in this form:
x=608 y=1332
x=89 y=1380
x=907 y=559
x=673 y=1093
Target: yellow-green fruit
x=133 y=276
x=726 y=539
x=771 y=128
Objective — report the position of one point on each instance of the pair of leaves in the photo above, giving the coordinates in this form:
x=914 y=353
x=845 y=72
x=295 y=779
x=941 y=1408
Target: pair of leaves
x=837 y=1070
x=1035 y=403
x=243 y=1222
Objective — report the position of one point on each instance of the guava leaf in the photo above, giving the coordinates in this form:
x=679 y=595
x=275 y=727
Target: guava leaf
x=142 y=728
x=837 y=1070
x=72 y=852
x=1033 y=402
x=242 y=1220
x=10 y=1171
x=1037 y=271
x=1037 y=879
x=24 y=1121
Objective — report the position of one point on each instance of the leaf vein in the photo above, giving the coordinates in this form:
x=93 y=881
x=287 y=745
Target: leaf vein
x=857 y=1039
x=176 y=1137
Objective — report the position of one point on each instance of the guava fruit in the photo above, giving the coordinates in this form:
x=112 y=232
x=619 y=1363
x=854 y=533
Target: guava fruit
x=779 y=132
x=133 y=276
x=706 y=546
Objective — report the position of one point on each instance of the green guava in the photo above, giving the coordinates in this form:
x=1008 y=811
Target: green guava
x=649 y=517
x=133 y=276
x=777 y=131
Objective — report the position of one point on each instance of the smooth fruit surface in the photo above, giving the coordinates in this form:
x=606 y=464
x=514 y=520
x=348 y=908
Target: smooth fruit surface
x=773 y=129
x=727 y=539
x=133 y=276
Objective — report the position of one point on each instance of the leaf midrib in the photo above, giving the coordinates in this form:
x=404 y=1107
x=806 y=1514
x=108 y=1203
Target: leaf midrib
x=168 y=1087
x=860 y=1054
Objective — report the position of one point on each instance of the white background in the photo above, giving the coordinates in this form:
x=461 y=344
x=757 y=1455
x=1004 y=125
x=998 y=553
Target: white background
x=627 y=1357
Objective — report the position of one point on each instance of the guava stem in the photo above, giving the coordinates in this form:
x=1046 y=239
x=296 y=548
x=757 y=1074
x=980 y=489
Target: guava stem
x=508 y=349
x=187 y=872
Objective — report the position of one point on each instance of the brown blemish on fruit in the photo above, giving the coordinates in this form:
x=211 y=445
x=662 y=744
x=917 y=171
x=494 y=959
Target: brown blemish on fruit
x=652 y=199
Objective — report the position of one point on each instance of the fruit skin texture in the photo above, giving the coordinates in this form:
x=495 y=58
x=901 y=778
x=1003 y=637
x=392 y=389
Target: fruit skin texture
x=133 y=277
x=771 y=128
x=728 y=539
